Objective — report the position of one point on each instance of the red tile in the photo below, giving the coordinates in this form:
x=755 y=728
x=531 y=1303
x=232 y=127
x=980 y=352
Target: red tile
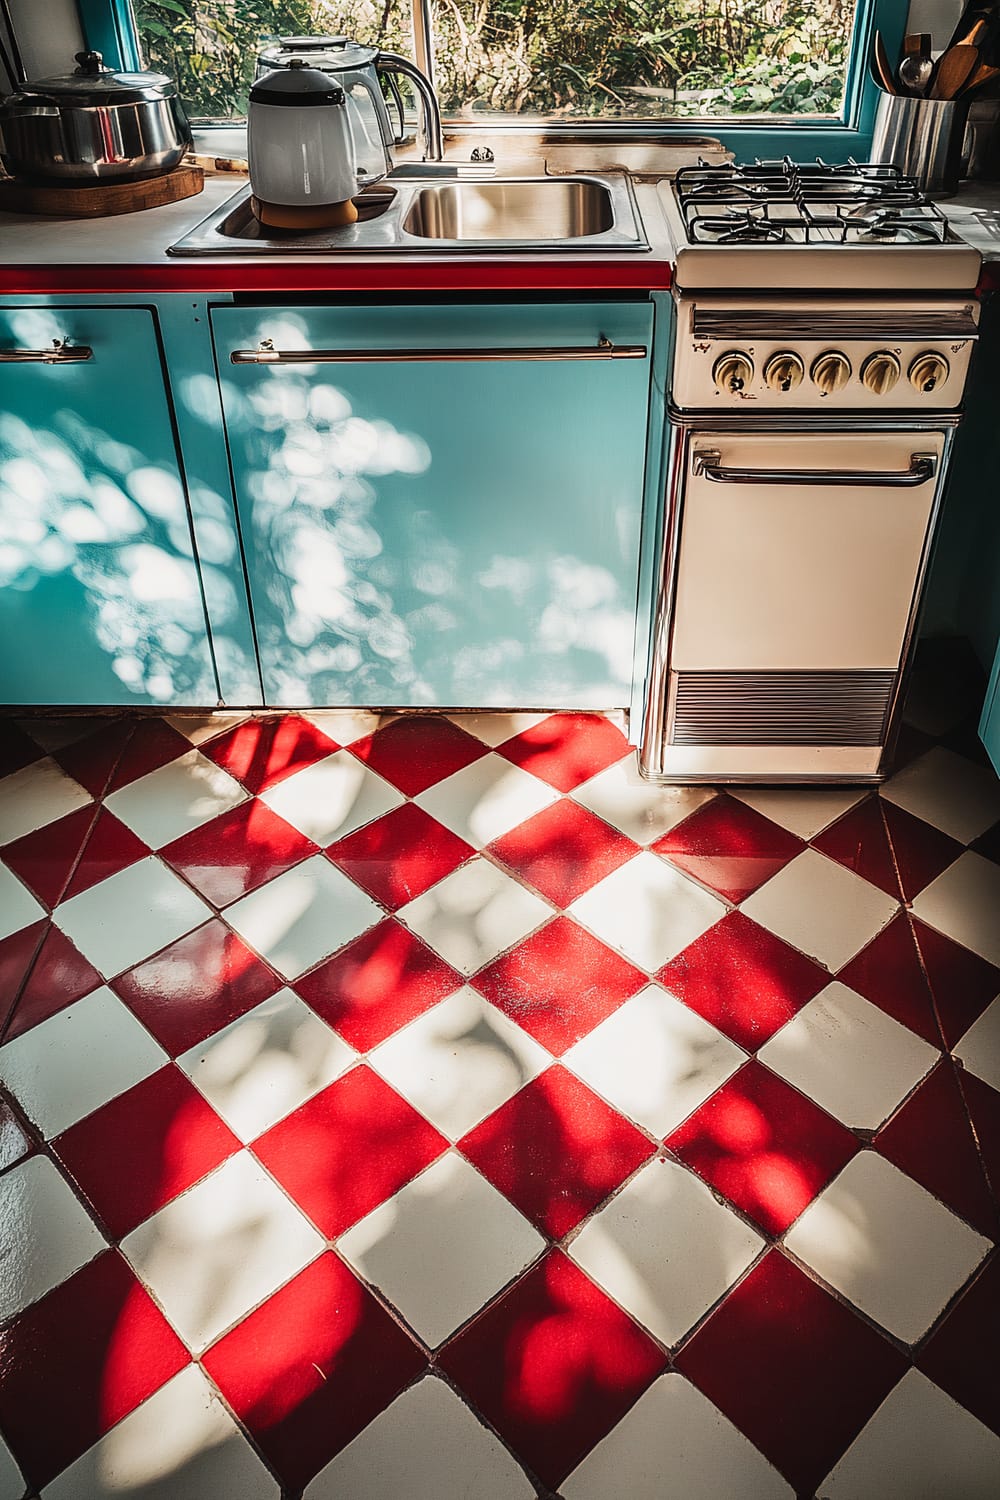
x=921 y=851
x=559 y=983
x=17 y=954
x=961 y=1354
x=196 y=986
x=111 y=847
x=141 y=1150
x=743 y=979
x=553 y=1365
x=416 y=750
x=729 y=847
x=910 y=745
x=860 y=841
x=58 y=976
x=889 y=974
x=563 y=851
x=765 y=1146
x=962 y=983
x=44 y=858
x=262 y=752
x=312 y=1367
x=92 y=760
x=930 y=1139
x=793 y=1368
x=153 y=743
x=567 y=749
x=79 y=1361
x=17 y=749
x=378 y=983
x=556 y=1151
x=398 y=857
x=237 y=852
x=983 y=1104
x=348 y=1149
x=988 y=844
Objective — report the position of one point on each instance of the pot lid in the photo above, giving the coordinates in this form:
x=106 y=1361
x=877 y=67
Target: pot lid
x=297 y=85
x=339 y=53
x=92 y=83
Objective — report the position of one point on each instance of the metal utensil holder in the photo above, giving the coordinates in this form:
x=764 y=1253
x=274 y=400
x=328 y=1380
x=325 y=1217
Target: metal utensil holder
x=924 y=138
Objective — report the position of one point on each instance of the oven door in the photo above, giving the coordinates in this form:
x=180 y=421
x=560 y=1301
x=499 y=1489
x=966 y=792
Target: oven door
x=798 y=559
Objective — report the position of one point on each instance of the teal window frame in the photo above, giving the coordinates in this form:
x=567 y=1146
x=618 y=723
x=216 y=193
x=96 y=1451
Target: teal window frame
x=109 y=28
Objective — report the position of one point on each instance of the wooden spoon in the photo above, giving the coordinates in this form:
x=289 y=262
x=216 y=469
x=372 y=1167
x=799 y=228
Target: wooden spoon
x=980 y=75
x=953 y=70
x=882 y=69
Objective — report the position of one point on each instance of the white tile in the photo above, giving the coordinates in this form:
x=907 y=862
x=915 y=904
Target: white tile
x=175 y=798
x=979 y=1048
x=642 y=809
x=487 y=799
x=427 y=1446
x=495 y=728
x=45 y=1234
x=948 y=790
x=674 y=1430
x=266 y=1063
x=18 y=907
x=473 y=914
x=849 y=1056
x=442 y=1247
x=665 y=1249
x=459 y=1062
x=181 y=1444
x=344 y=726
x=332 y=797
x=964 y=903
x=12 y=1486
x=805 y=811
x=821 y=908
x=655 y=1060
x=303 y=915
x=36 y=795
x=892 y=1249
x=199 y=728
x=77 y=1060
x=919 y=1445
x=217 y=1251
x=130 y=916
x=648 y=910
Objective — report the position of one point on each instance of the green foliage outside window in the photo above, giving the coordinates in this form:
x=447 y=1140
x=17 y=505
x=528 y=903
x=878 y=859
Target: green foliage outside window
x=568 y=59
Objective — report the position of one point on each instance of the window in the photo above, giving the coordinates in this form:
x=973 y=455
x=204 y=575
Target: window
x=564 y=60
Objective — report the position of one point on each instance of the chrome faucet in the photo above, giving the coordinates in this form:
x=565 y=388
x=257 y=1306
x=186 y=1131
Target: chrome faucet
x=430 y=111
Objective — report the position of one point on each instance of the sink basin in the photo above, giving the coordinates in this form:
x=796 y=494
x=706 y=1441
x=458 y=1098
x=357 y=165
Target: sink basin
x=535 y=210
x=458 y=215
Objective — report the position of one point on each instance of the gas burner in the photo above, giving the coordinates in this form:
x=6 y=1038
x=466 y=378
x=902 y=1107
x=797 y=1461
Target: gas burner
x=734 y=228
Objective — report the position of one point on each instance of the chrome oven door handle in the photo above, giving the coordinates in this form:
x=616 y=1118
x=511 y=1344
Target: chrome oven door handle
x=60 y=353
x=266 y=354
x=707 y=463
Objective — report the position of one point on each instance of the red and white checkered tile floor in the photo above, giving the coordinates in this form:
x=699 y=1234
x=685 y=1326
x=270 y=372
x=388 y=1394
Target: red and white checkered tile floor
x=429 y=1108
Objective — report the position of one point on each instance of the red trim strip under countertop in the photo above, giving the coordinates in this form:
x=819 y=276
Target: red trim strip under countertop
x=294 y=276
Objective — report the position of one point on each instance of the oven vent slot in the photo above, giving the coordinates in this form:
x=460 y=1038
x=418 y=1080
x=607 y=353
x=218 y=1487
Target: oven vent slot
x=888 y=324
x=781 y=708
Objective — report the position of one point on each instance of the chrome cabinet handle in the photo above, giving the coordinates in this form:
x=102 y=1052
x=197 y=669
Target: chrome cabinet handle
x=923 y=466
x=60 y=353
x=266 y=354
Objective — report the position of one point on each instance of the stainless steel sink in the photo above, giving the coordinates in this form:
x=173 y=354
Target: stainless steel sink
x=532 y=211
x=422 y=215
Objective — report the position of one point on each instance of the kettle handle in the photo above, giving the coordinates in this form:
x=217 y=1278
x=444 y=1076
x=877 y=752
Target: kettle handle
x=378 y=104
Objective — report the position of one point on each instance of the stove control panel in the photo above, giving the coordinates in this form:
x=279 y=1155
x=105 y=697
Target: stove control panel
x=850 y=355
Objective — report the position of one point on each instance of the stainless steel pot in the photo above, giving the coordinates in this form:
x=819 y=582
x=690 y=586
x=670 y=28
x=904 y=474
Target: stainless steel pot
x=93 y=126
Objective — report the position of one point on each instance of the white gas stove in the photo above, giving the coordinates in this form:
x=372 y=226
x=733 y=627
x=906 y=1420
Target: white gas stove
x=825 y=320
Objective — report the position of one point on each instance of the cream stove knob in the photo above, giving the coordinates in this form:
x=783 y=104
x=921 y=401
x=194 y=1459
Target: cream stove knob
x=733 y=371
x=784 y=371
x=880 y=372
x=830 y=372
x=928 y=371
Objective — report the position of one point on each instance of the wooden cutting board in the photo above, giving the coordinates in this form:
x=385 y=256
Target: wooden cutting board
x=96 y=201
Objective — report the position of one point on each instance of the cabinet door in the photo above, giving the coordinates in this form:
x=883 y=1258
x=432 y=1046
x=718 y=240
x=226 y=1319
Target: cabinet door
x=100 y=601
x=989 y=728
x=458 y=532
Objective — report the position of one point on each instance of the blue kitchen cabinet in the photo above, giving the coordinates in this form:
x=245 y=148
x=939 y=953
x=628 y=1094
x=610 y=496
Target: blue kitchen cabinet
x=459 y=532
x=989 y=728
x=100 y=598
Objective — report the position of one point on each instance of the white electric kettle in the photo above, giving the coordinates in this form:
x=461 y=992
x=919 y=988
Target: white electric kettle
x=300 y=149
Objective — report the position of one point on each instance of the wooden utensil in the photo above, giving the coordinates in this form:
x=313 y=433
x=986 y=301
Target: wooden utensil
x=984 y=73
x=882 y=69
x=954 y=69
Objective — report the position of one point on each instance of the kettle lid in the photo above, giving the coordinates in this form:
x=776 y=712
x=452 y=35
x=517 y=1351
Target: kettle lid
x=339 y=53
x=297 y=84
